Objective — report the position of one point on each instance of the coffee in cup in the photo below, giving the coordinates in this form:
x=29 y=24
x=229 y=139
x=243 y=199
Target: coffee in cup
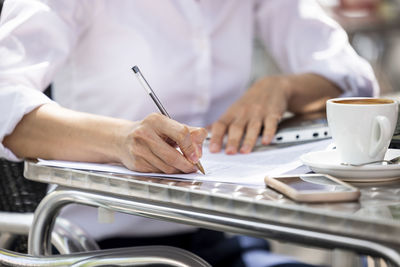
x=361 y=127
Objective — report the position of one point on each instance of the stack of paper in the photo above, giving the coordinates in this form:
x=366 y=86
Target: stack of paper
x=241 y=168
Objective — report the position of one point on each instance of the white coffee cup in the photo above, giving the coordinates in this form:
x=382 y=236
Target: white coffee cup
x=361 y=127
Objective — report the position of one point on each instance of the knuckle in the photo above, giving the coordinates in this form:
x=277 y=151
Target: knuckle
x=172 y=161
x=218 y=132
x=257 y=123
x=183 y=133
x=200 y=132
x=220 y=125
x=236 y=127
x=137 y=134
x=153 y=118
x=254 y=127
x=141 y=134
x=137 y=150
x=185 y=130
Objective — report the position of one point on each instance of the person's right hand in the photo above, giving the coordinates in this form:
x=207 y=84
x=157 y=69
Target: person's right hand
x=150 y=146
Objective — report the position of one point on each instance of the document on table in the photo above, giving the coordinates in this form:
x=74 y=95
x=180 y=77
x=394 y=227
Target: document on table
x=239 y=169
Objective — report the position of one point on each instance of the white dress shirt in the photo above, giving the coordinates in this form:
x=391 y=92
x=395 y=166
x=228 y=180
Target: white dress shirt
x=195 y=54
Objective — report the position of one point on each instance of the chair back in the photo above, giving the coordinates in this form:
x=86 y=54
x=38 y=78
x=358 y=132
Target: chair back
x=18 y=194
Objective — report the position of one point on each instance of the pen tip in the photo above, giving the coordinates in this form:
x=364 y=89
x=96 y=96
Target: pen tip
x=200 y=167
x=135 y=69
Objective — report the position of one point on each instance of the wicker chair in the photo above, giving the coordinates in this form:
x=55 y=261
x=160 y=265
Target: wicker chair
x=19 y=195
x=19 y=198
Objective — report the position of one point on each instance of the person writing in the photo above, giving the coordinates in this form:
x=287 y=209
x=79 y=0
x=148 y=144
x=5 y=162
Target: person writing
x=197 y=55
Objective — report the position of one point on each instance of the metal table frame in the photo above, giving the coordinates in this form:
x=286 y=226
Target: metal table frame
x=226 y=207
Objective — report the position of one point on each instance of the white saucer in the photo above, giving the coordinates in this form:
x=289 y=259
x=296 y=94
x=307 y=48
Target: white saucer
x=328 y=162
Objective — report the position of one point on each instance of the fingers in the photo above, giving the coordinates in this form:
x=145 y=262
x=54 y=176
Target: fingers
x=235 y=133
x=270 y=126
x=246 y=129
x=218 y=131
x=148 y=152
x=167 y=158
x=138 y=155
x=252 y=133
x=175 y=131
x=153 y=145
x=198 y=136
x=263 y=104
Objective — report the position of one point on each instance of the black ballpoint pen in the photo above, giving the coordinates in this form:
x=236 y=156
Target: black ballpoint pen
x=153 y=96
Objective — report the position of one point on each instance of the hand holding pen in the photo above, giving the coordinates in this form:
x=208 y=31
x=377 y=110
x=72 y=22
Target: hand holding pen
x=193 y=156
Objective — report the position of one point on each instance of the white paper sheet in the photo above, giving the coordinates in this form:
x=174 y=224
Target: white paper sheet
x=239 y=169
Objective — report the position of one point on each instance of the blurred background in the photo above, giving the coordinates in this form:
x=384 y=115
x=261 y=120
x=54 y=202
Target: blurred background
x=373 y=27
x=374 y=31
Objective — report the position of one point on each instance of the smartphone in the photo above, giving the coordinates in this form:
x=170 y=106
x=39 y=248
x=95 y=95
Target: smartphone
x=313 y=188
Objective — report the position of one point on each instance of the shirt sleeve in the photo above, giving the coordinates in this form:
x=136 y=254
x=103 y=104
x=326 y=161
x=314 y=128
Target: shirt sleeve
x=302 y=38
x=35 y=39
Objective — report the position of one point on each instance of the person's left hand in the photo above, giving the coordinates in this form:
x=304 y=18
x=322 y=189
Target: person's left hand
x=262 y=105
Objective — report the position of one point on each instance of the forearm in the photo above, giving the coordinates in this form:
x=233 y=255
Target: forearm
x=309 y=92
x=53 y=132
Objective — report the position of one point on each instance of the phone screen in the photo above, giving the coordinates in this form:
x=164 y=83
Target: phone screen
x=314 y=183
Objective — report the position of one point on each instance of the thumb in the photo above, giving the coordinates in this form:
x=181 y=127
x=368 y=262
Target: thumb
x=198 y=136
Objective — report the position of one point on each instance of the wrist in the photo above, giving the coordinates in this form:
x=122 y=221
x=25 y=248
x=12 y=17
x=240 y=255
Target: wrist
x=288 y=84
x=284 y=83
x=121 y=140
x=309 y=92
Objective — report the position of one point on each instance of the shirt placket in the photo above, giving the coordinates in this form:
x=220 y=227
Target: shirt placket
x=201 y=40
x=202 y=45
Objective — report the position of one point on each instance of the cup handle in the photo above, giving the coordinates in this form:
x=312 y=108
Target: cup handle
x=380 y=135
